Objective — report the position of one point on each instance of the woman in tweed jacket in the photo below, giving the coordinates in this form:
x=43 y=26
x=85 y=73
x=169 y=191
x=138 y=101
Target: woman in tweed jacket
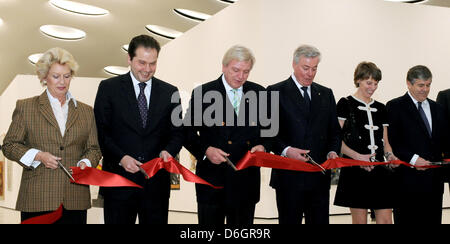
x=48 y=129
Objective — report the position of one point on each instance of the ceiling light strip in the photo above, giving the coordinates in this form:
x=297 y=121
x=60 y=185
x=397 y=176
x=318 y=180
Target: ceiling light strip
x=79 y=8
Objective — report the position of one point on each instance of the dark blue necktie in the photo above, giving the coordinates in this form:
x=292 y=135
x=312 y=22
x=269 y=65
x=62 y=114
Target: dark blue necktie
x=142 y=103
x=424 y=118
x=306 y=97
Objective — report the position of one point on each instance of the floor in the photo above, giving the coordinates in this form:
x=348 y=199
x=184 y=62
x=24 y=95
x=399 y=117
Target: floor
x=95 y=216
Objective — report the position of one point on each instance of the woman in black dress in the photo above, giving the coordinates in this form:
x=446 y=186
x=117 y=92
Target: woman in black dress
x=364 y=126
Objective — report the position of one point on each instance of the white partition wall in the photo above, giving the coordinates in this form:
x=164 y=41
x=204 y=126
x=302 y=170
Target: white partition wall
x=394 y=36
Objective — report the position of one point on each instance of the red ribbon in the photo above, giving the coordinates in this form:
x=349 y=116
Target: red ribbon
x=92 y=176
x=262 y=159
x=96 y=177
x=172 y=166
x=49 y=218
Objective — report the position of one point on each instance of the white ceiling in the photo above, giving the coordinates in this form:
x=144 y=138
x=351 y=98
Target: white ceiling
x=20 y=35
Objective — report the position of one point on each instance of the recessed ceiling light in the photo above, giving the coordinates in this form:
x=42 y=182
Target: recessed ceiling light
x=116 y=70
x=33 y=58
x=407 y=1
x=79 y=8
x=192 y=14
x=62 y=32
x=163 y=31
x=228 y=1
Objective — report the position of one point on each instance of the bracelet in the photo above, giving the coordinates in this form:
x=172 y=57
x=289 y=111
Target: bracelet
x=387 y=154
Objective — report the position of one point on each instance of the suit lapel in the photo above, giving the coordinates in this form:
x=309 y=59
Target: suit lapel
x=154 y=106
x=409 y=104
x=296 y=96
x=315 y=102
x=72 y=115
x=132 y=111
x=433 y=118
x=46 y=110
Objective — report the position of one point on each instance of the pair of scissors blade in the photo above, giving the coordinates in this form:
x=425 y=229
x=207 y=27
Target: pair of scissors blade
x=311 y=161
x=143 y=172
x=440 y=163
x=66 y=171
x=230 y=163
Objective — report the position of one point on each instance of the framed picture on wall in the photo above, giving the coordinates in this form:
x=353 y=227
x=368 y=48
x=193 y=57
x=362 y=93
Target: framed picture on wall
x=2 y=178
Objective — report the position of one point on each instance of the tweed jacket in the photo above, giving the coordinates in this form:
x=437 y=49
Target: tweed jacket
x=34 y=126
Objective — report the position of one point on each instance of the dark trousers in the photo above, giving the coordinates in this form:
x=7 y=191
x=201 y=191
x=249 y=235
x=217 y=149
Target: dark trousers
x=294 y=204
x=215 y=214
x=419 y=209
x=149 y=208
x=68 y=216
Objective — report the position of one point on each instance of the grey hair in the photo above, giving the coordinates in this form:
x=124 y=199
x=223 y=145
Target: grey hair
x=306 y=51
x=239 y=53
x=418 y=72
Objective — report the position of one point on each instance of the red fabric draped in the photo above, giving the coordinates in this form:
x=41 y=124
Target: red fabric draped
x=49 y=218
x=153 y=166
x=96 y=177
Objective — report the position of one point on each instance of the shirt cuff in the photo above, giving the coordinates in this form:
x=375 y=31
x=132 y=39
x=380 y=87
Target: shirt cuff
x=28 y=158
x=414 y=159
x=283 y=154
x=86 y=161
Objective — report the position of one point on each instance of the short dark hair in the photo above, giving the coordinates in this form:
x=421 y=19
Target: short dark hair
x=419 y=72
x=145 y=41
x=366 y=70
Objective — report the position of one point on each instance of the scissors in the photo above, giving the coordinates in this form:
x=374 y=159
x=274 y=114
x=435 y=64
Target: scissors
x=440 y=163
x=65 y=170
x=230 y=163
x=311 y=161
x=143 y=172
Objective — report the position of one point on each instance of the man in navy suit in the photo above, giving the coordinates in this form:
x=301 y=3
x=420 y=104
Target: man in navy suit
x=418 y=133
x=230 y=99
x=133 y=115
x=308 y=124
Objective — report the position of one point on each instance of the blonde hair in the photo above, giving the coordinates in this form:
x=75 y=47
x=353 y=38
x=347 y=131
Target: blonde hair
x=52 y=56
x=239 y=53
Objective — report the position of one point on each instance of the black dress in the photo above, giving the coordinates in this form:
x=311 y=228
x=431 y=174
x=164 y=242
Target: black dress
x=363 y=132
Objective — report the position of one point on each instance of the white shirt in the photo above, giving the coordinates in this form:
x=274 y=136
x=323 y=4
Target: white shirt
x=61 y=113
x=427 y=110
x=137 y=89
x=230 y=92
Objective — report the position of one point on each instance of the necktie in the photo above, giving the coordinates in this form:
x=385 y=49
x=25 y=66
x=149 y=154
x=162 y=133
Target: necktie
x=236 y=101
x=424 y=118
x=306 y=97
x=142 y=104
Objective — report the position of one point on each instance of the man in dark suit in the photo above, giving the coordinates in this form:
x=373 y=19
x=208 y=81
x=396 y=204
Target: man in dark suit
x=133 y=115
x=230 y=131
x=443 y=98
x=418 y=130
x=308 y=124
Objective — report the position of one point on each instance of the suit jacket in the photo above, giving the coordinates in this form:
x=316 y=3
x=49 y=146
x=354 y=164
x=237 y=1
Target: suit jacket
x=120 y=130
x=317 y=131
x=408 y=136
x=241 y=187
x=34 y=126
x=443 y=98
